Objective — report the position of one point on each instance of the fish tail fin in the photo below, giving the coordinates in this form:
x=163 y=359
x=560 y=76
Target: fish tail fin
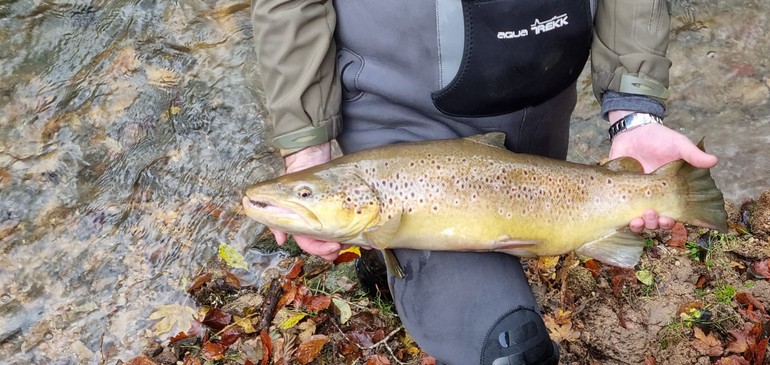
x=704 y=203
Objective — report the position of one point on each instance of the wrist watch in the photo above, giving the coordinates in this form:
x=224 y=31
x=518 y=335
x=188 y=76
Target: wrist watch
x=632 y=121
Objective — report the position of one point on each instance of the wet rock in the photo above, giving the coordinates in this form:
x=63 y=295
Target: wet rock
x=242 y=303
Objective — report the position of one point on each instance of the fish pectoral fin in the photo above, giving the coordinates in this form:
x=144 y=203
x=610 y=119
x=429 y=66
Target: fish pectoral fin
x=392 y=264
x=624 y=164
x=380 y=236
x=492 y=139
x=507 y=243
x=620 y=248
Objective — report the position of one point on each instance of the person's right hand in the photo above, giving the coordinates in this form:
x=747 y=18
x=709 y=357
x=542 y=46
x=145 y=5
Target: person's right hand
x=309 y=157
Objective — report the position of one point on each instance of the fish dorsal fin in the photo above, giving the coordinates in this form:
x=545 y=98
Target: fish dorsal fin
x=624 y=164
x=701 y=145
x=492 y=139
x=619 y=248
x=380 y=236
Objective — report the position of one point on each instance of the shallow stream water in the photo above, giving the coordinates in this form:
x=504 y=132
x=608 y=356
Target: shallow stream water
x=128 y=130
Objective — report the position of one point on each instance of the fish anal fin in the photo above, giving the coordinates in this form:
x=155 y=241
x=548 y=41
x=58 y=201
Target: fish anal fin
x=624 y=164
x=492 y=139
x=619 y=248
x=380 y=236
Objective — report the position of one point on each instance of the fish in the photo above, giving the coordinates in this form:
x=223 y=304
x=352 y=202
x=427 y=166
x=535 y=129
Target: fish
x=472 y=194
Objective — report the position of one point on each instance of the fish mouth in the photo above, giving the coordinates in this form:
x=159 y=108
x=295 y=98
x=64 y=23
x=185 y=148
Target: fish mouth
x=268 y=212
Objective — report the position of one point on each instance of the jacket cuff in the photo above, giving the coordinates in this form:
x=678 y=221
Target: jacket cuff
x=621 y=101
x=308 y=136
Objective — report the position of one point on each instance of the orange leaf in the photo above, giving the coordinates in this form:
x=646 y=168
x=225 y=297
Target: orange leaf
x=732 y=360
x=747 y=299
x=649 y=360
x=267 y=345
x=213 y=351
x=678 y=236
x=345 y=257
x=593 y=266
x=707 y=344
x=198 y=282
x=310 y=349
x=378 y=360
x=295 y=270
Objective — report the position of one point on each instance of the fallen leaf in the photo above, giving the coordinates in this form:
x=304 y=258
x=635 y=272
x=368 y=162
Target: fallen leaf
x=308 y=330
x=318 y=303
x=428 y=360
x=267 y=345
x=232 y=257
x=310 y=349
x=560 y=332
x=245 y=324
x=759 y=352
x=645 y=277
x=217 y=319
x=742 y=339
x=140 y=360
x=198 y=282
x=762 y=268
x=229 y=336
x=349 y=254
x=295 y=270
x=213 y=351
x=292 y=321
x=361 y=338
x=344 y=309
x=649 y=360
x=593 y=266
x=173 y=316
x=747 y=299
x=678 y=236
x=378 y=360
x=732 y=360
x=707 y=344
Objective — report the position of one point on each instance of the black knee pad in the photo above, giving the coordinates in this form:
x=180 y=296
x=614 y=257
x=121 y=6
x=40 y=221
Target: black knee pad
x=519 y=338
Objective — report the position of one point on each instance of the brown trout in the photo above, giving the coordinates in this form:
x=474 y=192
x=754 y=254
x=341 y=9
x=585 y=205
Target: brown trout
x=472 y=194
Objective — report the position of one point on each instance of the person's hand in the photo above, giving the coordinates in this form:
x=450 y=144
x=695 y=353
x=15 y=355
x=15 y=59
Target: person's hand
x=655 y=145
x=309 y=157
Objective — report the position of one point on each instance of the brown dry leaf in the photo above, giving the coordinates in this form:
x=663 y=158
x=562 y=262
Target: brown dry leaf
x=762 y=268
x=742 y=339
x=217 y=319
x=308 y=330
x=707 y=344
x=732 y=360
x=318 y=303
x=378 y=360
x=310 y=349
x=561 y=332
x=213 y=351
x=295 y=270
x=245 y=324
x=650 y=360
x=140 y=360
x=748 y=299
x=678 y=236
x=428 y=360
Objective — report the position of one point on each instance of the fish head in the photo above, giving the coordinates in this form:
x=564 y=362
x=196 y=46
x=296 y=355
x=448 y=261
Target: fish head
x=332 y=205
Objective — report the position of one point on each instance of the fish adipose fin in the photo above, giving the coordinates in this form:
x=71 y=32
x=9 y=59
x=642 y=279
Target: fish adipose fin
x=620 y=248
x=492 y=139
x=379 y=237
x=705 y=205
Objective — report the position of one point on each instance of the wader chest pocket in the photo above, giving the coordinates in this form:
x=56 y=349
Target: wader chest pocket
x=516 y=54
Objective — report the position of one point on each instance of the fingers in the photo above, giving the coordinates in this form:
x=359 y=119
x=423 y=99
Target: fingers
x=694 y=156
x=327 y=250
x=280 y=237
x=651 y=220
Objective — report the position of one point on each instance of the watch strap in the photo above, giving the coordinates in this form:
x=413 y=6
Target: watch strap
x=631 y=121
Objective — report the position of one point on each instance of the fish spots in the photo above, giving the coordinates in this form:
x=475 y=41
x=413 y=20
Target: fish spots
x=609 y=181
x=624 y=197
x=648 y=193
x=434 y=208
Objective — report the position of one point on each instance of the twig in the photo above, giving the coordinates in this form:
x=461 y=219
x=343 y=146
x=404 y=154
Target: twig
x=272 y=296
x=385 y=340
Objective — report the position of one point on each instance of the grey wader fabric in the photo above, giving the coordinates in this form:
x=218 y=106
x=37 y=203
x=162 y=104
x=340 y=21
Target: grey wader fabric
x=461 y=308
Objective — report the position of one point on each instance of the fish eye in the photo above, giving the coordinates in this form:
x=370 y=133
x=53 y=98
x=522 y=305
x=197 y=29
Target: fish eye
x=304 y=191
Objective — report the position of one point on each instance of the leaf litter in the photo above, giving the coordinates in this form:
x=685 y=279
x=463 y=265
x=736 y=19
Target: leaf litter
x=695 y=297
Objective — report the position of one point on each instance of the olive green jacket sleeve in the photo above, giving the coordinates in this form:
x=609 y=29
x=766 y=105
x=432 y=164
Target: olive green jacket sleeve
x=296 y=54
x=628 y=53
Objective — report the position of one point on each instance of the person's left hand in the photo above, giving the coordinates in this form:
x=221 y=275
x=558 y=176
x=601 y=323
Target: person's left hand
x=655 y=145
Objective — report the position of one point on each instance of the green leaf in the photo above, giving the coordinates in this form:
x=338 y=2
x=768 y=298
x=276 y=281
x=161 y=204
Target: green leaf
x=645 y=277
x=232 y=257
x=344 y=308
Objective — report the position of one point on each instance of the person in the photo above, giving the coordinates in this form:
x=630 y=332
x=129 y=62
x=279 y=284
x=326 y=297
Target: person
x=370 y=72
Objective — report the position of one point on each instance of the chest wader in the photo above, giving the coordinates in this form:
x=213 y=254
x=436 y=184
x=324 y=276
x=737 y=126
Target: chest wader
x=418 y=70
